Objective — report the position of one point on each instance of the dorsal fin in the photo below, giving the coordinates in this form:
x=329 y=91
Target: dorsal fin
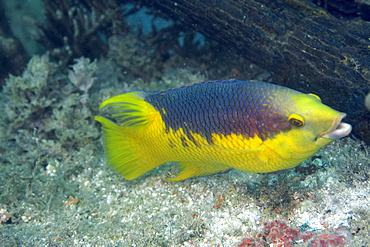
x=129 y=109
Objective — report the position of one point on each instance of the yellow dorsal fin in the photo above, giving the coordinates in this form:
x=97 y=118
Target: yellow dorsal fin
x=130 y=108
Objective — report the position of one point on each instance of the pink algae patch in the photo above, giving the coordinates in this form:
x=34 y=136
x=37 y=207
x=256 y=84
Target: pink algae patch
x=340 y=237
x=278 y=234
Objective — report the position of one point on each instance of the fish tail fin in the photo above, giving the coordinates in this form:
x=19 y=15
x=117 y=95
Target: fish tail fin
x=126 y=142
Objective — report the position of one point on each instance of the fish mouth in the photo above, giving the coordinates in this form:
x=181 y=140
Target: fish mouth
x=338 y=129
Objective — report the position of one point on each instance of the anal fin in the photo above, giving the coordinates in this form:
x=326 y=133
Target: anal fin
x=191 y=169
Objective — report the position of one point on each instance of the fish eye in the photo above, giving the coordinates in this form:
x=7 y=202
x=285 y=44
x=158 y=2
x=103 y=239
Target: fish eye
x=296 y=121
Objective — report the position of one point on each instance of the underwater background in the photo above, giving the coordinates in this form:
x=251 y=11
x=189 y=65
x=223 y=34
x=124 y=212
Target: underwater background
x=60 y=59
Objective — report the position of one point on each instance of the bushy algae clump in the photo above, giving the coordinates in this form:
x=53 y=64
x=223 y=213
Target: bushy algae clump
x=43 y=103
x=46 y=124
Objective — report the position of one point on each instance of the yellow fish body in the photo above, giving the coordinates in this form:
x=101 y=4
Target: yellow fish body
x=212 y=127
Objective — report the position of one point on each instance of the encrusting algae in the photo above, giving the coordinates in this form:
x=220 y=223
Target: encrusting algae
x=212 y=127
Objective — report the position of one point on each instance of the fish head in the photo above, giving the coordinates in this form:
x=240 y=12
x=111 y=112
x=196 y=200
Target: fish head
x=313 y=124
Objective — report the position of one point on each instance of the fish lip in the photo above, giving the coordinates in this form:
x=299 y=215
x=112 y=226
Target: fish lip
x=338 y=129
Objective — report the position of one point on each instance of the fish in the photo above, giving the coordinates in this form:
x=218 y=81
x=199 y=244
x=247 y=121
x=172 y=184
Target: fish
x=215 y=126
